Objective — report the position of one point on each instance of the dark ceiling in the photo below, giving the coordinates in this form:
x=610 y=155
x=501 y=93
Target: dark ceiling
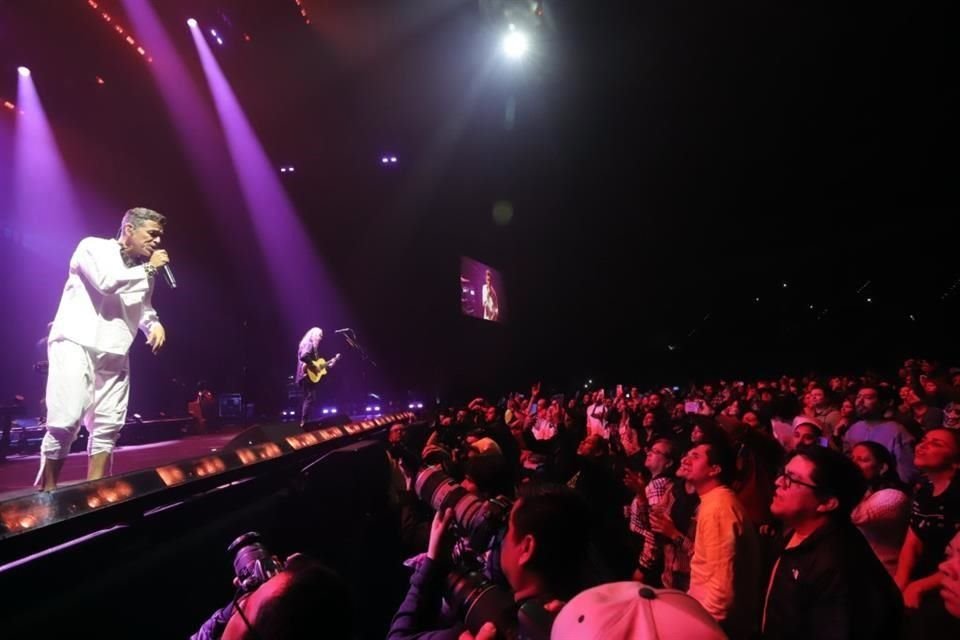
x=671 y=166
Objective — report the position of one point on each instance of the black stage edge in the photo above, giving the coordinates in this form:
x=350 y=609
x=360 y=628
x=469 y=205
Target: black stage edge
x=40 y=521
x=143 y=555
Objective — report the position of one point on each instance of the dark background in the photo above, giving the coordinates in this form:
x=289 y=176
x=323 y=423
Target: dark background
x=667 y=164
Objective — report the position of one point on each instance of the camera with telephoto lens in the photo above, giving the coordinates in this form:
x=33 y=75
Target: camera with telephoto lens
x=472 y=594
x=441 y=455
x=253 y=563
x=481 y=521
x=476 y=599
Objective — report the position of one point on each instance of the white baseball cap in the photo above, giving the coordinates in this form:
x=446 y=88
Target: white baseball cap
x=634 y=611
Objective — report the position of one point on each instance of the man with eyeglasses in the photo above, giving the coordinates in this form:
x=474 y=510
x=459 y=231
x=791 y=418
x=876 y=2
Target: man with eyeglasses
x=826 y=581
x=661 y=460
x=873 y=427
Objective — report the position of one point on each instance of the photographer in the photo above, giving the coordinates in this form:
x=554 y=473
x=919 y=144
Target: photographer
x=303 y=599
x=541 y=557
x=281 y=600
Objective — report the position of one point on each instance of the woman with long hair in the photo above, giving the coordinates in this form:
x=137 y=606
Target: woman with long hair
x=883 y=512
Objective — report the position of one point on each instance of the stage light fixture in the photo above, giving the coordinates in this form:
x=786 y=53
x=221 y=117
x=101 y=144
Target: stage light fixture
x=303 y=11
x=192 y=23
x=119 y=29
x=23 y=71
x=515 y=44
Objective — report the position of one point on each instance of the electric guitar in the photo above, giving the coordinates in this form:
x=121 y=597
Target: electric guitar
x=318 y=368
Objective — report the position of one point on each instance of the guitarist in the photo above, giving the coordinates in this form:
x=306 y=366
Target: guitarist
x=311 y=368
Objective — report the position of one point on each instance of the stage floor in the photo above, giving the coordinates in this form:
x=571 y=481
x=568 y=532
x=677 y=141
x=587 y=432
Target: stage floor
x=18 y=472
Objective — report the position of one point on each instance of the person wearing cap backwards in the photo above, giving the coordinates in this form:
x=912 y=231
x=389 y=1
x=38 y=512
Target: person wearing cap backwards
x=542 y=558
x=634 y=611
x=806 y=432
x=826 y=581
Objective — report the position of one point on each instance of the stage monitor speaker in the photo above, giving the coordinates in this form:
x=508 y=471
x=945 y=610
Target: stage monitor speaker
x=260 y=433
x=335 y=420
x=230 y=405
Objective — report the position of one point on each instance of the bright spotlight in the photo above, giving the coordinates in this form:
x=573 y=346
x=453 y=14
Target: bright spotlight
x=515 y=44
x=191 y=22
x=23 y=71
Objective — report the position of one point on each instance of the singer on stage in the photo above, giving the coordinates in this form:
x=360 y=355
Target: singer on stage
x=106 y=299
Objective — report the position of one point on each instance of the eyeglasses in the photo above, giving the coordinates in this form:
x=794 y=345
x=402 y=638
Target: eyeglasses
x=789 y=480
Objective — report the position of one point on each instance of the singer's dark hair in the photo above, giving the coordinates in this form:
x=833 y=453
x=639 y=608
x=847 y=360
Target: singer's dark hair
x=138 y=216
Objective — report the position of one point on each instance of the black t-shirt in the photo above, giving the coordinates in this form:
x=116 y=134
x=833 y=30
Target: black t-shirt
x=935 y=520
x=832 y=586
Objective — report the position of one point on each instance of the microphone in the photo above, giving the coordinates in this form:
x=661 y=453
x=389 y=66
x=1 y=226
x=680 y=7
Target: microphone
x=167 y=274
x=348 y=330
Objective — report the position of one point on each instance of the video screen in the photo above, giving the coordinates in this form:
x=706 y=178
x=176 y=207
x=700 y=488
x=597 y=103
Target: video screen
x=481 y=291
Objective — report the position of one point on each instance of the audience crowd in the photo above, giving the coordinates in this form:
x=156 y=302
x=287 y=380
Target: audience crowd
x=796 y=507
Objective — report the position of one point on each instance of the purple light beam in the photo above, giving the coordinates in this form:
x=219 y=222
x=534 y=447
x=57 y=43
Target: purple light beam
x=297 y=275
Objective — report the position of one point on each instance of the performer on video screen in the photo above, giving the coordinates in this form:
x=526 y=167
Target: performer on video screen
x=491 y=305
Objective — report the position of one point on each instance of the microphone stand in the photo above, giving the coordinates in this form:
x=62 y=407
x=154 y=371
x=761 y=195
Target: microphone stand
x=361 y=371
x=351 y=339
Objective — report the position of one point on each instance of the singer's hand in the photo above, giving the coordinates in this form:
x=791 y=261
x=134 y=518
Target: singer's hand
x=158 y=335
x=159 y=258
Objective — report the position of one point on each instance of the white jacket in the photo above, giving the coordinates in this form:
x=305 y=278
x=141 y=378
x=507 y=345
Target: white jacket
x=104 y=301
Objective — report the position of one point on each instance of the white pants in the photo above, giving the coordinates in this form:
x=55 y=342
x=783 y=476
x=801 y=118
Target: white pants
x=86 y=385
